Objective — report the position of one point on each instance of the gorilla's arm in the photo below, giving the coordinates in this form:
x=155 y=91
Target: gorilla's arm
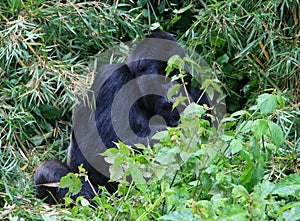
x=48 y=175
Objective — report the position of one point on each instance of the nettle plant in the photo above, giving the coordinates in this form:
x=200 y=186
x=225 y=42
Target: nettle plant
x=194 y=172
x=253 y=137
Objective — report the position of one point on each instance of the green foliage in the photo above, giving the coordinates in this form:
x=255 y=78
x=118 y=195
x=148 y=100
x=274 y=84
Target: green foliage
x=253 y=44
x=72 y=182
x=247 y=172
x=187 y=175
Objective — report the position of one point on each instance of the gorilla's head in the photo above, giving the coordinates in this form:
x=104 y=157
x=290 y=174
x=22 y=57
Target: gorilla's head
x=148 y=62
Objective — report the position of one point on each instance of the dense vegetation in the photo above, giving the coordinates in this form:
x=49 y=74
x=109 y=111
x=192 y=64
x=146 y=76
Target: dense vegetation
x=250 y=172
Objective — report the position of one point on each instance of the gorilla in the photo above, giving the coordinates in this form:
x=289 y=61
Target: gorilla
x=146 y=98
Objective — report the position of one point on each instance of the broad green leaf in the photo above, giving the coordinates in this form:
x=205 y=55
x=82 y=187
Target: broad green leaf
x=290 y=212
x=288 y=186
x=155 y=25
x=226 y=137
x=174 y=62
x=137 y=176
x=166 y=156
x=160 y=135
x=116 y=172
x=267 y=103
x=162 y=6
x=256 y=176
x=239 y=113
x=276 y=132
x=260 y=128
x=159 y=171
x=179 y=100
x=72 y=182
x=193 y=109
x=234 y=213
x=185 y=156
x=240 y=191
x=236 y=146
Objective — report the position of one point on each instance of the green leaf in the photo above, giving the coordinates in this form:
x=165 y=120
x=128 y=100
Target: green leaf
x=182 y=10
x=155 y=25
x=179 y=100
x=267 y=103
x=174 y=62
x=141 y=3
x=49 y=112
x=290 y=211
x=240 y=191
x=185 y=156
x=82 y=201
x=116 y=172
x=160 y=135
x=167 y=156
x=193 y=109
x=137 y=176
x=175 y=88
x=256 y=176
x=260 y=128
x=162 y=6
x=276 y=132
x=72 y=182
x=245 y=126
x=223 y=59
x=37 y=139
x=240 y=113
x=288 y=186
x=123 y=148
x=246 y=176
x=236 y=146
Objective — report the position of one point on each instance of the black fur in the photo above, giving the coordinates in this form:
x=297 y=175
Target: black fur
x=140 y=114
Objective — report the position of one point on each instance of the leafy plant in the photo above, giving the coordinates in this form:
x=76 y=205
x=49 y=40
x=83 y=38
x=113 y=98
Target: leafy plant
x=250 y=172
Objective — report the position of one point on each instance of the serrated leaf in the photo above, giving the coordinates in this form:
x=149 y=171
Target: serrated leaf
x=246 y=176
x=137 y=177
x=291 y=212
x=276 y=132
x=260 y=127
x=267 y=103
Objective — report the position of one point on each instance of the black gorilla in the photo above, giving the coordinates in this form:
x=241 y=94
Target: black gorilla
x=141 y=62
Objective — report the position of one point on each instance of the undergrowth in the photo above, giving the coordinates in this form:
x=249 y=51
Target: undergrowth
x=251 y=172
